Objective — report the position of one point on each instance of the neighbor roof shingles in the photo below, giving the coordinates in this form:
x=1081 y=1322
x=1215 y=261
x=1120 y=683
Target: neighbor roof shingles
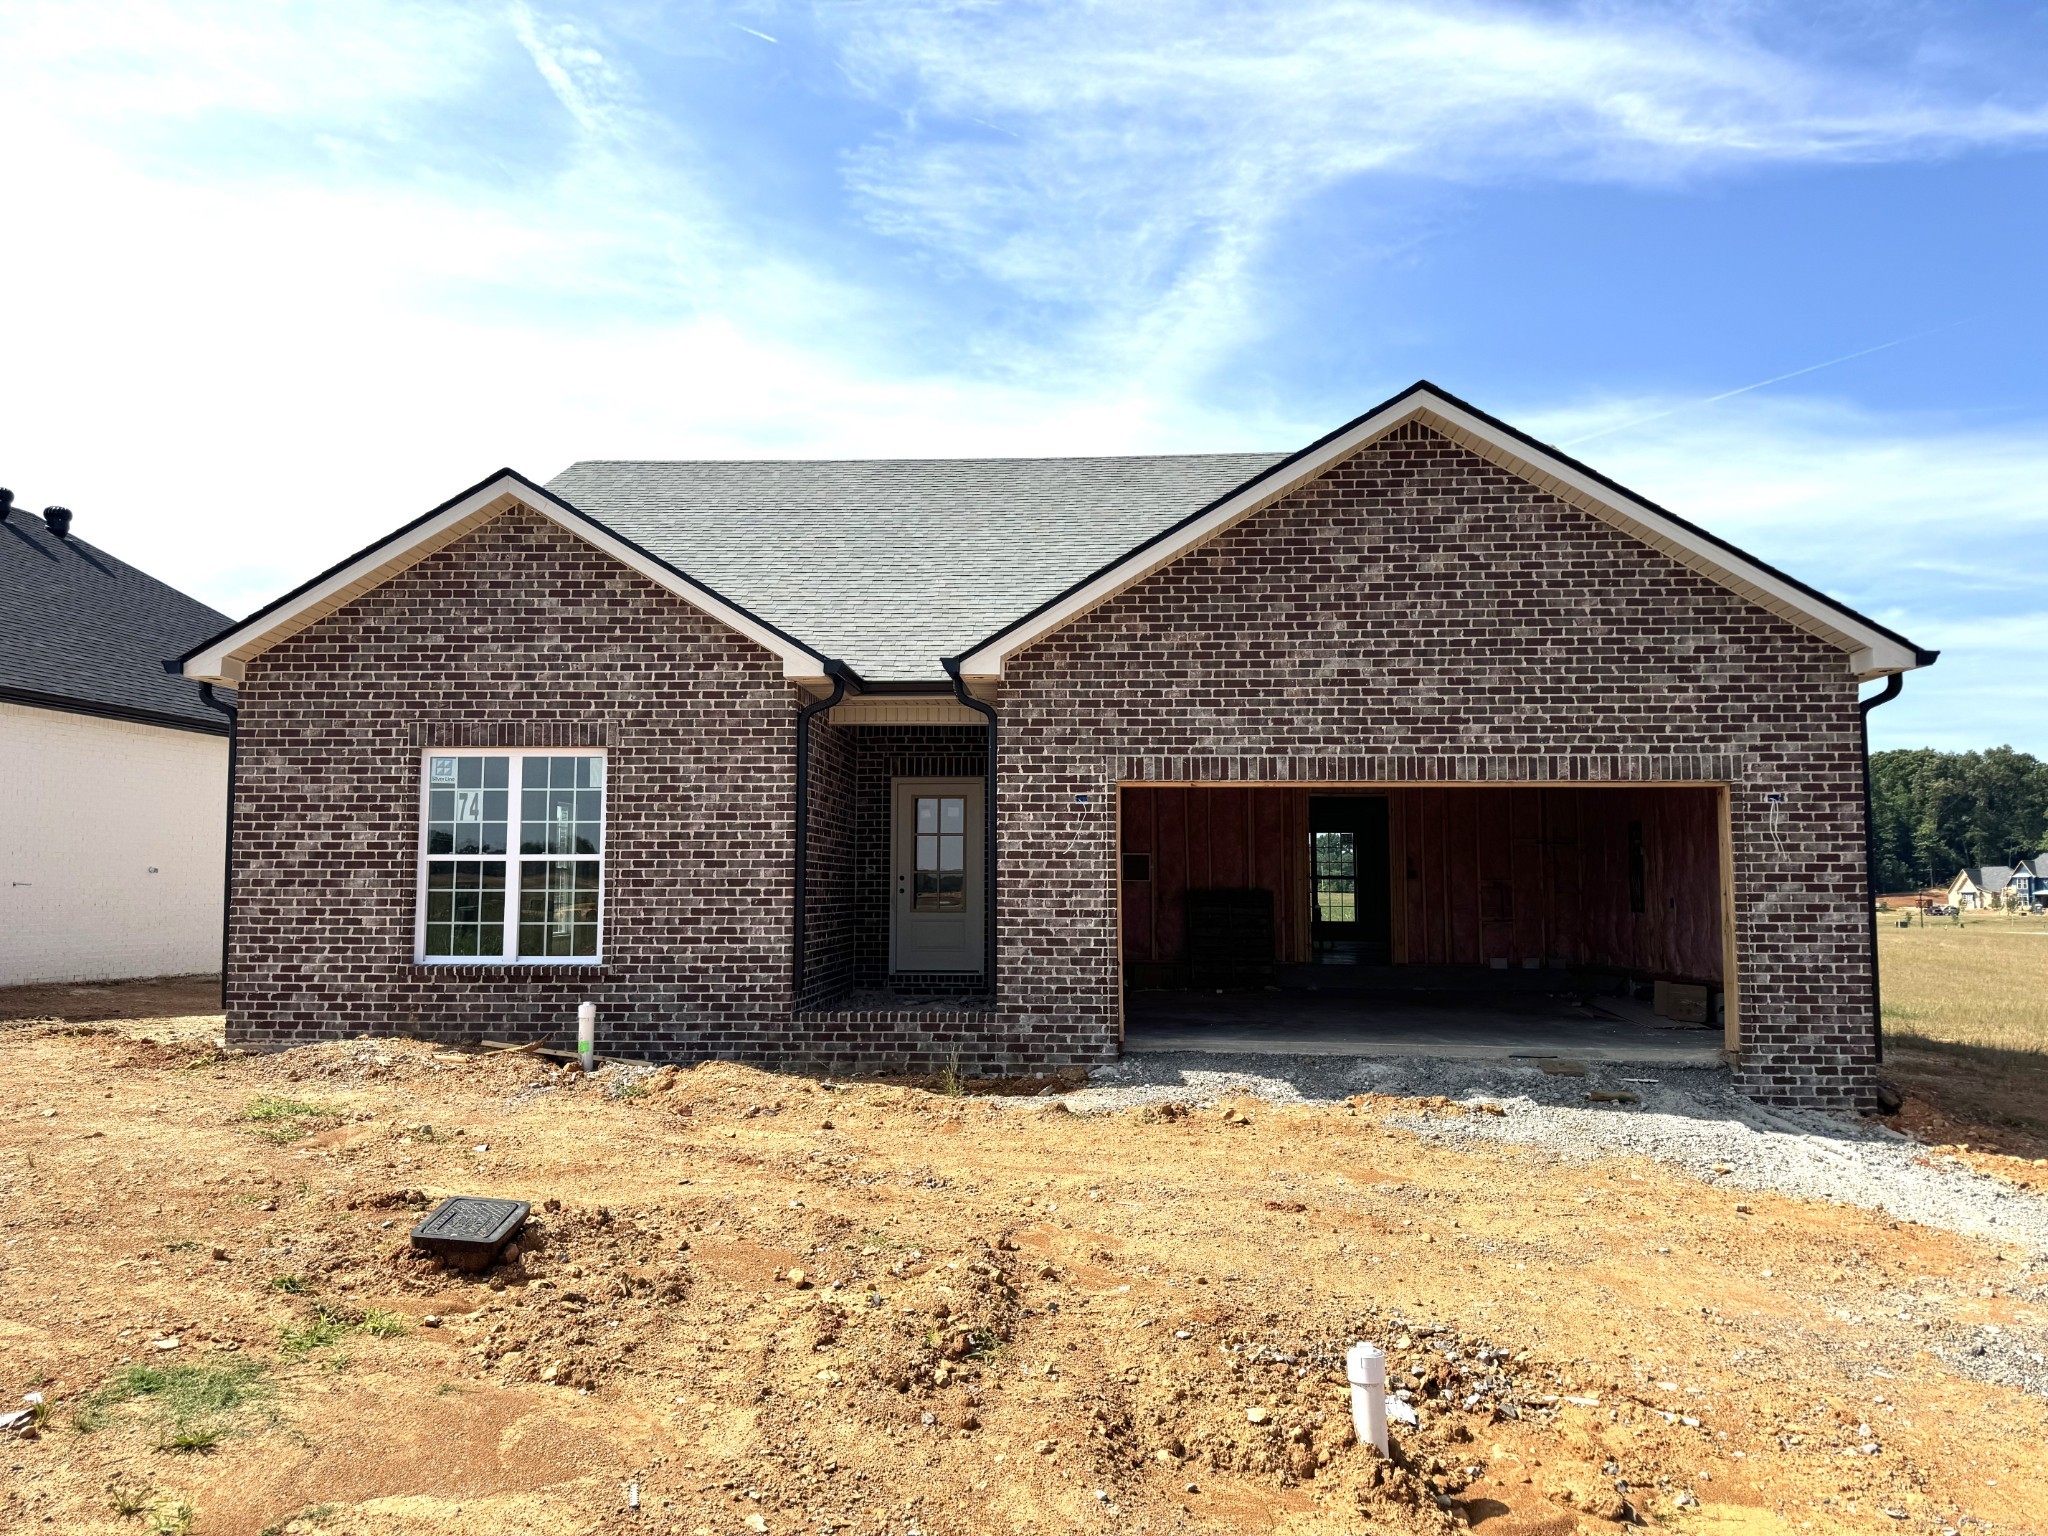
x=891 y=564
x=79 y=627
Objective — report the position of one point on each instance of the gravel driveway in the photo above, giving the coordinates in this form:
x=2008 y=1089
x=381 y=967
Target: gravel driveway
x=1689 y=1117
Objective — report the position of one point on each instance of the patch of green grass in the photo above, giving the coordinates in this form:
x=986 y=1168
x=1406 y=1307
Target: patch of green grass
x=291 y=1285
x=951 y=1083
x=317 y=1332
x=984 y=1345
x=193 y=1405
x=283 y=1120
x=328 y=1327
x=183 y=1245
x=448 y=1389
x=171 y=1517
x=127 y=1499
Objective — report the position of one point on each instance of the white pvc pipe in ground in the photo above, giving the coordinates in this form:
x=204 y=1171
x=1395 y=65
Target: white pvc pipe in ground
x=1366 y=1366
x=586 y=1035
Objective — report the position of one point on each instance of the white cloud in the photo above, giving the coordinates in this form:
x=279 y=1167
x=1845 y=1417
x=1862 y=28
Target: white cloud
x=1933 y=528
x=238 y=369
x=283 y=276
x=1148 y=153
x=115 y=62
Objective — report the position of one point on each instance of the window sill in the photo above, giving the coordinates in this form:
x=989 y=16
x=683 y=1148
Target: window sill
x=477 y=970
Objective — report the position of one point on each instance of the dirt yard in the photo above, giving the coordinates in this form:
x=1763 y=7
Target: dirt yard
x=770 y=1305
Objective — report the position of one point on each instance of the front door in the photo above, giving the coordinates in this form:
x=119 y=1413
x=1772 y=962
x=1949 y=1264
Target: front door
x=936 y=838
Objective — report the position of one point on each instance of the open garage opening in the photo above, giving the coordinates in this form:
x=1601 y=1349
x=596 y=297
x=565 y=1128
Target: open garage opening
x=1588 y=922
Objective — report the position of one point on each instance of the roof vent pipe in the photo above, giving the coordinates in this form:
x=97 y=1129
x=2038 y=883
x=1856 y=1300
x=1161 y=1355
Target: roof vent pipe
x=59 y=519
x=6 y=503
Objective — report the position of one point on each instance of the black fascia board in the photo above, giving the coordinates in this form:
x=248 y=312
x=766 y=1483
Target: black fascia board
x=72 y=706
x=426 y=517
x=1422 y=386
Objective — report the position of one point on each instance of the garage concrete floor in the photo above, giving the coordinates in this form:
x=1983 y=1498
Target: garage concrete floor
x=1465 y=1026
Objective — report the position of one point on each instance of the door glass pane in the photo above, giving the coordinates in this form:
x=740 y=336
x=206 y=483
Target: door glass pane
x=939 y=855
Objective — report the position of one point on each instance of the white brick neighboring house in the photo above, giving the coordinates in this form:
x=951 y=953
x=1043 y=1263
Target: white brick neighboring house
x=113 y=843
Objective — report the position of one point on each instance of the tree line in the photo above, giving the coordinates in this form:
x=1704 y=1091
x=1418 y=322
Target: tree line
x=1938 y=812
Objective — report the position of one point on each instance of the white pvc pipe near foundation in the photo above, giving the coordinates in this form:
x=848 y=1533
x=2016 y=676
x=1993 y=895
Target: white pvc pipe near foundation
x=1366 y=1366
x=586 y=1035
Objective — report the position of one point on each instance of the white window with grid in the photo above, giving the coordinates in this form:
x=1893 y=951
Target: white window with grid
x=511 y=858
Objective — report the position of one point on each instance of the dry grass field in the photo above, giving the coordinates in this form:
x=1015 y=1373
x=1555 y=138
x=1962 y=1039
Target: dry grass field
x=1966 y=1018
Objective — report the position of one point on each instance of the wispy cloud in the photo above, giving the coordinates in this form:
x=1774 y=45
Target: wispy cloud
x=282 y=275
x=1932 y=527
x=1660 y=414
x=1156 y=150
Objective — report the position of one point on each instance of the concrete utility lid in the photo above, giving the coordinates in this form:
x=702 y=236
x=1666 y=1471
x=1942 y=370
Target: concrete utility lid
x=468 y=1230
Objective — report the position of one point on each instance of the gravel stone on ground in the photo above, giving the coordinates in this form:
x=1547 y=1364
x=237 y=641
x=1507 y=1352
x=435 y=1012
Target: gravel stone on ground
x=1691 y=1118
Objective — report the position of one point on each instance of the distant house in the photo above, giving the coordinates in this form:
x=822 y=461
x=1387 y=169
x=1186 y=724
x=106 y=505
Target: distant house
x=2028 y=886
x=1987 y=885
x=112 y=851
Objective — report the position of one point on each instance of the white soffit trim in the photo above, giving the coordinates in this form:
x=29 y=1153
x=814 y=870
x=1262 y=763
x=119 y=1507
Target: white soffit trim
x=222 y=660
x=898 y=709
x=1870 y=653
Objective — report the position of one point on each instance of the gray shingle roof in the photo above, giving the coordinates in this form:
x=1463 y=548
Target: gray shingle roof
x=890 y=564
x=78 y=626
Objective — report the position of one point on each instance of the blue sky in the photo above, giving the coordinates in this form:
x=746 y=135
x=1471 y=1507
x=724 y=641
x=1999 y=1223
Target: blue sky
x=277 y=277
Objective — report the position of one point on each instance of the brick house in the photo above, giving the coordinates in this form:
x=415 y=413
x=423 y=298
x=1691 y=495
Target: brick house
x=880 y=764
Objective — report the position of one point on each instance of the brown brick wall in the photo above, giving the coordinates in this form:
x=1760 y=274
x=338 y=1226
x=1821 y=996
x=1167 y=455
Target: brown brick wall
x=1418 y=615
x=830 y=931
x=519 y=634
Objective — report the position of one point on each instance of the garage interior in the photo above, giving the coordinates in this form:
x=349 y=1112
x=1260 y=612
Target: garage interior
x=1584 y=922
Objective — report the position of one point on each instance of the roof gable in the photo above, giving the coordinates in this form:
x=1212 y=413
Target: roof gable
x=221 y=659
x=1871 y=649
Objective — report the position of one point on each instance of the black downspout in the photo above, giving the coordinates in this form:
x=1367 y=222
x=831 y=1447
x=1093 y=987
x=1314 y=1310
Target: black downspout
x=841 y=674
x=1892 y=687
x=227 y=884
x=988 y=825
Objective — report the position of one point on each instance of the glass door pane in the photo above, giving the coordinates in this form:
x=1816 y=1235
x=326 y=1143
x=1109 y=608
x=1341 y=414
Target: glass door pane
x=939 y=878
